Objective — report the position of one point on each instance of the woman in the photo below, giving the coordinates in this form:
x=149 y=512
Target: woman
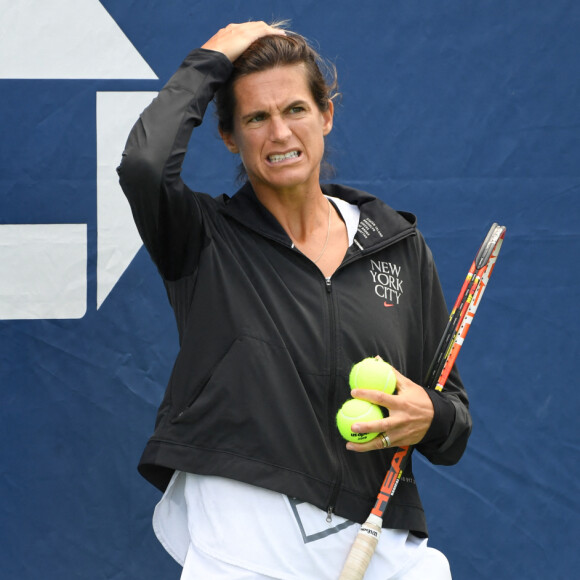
x=277 y=292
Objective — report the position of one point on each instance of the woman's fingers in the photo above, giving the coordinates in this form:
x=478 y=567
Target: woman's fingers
x=410 y=413
x=234 y=39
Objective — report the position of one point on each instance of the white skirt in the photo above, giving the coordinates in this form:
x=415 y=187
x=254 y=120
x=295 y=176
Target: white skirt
x=218 y=528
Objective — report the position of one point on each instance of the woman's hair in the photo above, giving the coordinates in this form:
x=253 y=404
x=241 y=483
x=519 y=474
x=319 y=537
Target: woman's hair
x=269 y=52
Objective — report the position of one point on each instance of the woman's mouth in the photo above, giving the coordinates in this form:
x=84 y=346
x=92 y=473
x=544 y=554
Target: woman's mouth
x=279 y=157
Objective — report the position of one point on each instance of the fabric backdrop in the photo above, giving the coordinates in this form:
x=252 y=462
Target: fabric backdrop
x=463 y=112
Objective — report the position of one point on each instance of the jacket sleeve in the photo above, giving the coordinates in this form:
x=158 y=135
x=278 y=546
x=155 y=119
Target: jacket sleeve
x=446 y=439
x=166 y=213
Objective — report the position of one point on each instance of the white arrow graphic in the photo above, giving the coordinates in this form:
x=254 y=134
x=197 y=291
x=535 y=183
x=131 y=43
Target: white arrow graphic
x=118 y=239
x=65 y=39
x=43 y=267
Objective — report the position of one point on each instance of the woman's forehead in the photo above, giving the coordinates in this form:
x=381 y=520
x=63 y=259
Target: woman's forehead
x=279 y=84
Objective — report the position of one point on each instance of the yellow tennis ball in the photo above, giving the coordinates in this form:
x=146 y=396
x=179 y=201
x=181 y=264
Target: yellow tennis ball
x=354 y=411
x=373 y=373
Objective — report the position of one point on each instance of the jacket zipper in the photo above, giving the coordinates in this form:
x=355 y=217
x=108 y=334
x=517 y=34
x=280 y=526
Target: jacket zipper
x=331 y=392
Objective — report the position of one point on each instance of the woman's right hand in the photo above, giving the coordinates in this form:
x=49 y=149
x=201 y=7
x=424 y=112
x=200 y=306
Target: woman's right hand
x=234 y=39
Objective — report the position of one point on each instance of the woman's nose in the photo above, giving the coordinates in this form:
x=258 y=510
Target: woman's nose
x=279 y=129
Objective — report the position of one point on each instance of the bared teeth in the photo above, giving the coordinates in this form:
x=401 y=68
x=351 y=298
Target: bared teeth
x=277 y=158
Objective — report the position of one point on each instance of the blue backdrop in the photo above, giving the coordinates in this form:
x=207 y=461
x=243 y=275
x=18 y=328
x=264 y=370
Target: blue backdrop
x=463 y=112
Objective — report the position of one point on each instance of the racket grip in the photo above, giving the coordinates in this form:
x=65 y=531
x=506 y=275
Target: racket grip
x=362 y=550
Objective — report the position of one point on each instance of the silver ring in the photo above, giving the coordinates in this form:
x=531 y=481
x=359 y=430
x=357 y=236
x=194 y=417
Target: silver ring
x=386 y=440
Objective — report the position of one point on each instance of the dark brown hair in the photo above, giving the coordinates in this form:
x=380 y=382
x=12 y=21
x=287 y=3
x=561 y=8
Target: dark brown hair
x=269 y=52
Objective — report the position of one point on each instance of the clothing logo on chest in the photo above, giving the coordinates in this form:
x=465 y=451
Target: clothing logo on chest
x=388 y=284
x=368 y=227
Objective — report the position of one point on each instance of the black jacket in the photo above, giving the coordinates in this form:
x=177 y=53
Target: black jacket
x=266 y=341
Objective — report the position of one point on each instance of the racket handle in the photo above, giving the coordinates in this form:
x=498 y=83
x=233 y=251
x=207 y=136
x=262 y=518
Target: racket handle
x=362 y=550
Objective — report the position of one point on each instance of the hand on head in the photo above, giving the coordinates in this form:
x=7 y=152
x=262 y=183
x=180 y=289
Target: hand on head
x=234 y=39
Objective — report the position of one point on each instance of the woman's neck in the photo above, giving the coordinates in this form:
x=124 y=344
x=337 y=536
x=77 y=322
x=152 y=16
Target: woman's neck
x=313 y=225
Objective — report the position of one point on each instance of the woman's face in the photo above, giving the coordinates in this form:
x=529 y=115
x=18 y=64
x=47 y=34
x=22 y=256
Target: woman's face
x=278 y=130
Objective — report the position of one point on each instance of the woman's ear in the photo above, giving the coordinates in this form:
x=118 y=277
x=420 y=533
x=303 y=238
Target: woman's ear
x=229 y=141
x=328 y=117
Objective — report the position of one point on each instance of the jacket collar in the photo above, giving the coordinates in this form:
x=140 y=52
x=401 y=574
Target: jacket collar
x=379 y=224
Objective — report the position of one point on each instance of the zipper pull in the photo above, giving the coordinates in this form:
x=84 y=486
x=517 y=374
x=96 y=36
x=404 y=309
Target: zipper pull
x=329 y=515
x=329 y=285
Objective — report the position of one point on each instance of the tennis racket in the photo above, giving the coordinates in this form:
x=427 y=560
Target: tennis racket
x=451 y=342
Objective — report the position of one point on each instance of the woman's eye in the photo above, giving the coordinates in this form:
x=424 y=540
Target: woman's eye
x=257 y=118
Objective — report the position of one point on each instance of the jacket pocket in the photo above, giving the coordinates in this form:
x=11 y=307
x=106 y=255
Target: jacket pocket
x=184 y=395
x=252 y=399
